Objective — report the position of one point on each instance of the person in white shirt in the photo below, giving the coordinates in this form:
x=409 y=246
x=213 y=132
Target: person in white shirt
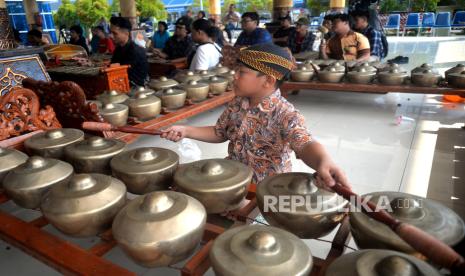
x=208 y=53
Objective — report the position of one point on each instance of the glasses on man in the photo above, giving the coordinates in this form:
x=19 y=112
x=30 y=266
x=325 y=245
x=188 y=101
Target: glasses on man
x=180 y=27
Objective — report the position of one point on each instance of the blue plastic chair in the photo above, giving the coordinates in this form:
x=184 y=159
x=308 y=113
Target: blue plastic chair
x=413 y=22
x=393 y=23
x=428 y=21
x=459 y=20
x=442 y=22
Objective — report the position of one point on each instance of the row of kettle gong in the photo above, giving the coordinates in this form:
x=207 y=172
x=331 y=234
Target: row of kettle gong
x=86 y=204
x=147 y=103
x=388 y=74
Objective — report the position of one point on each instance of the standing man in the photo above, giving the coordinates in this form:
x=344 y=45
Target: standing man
x=345 y=44
x=231 y=21
x=252 y=34
x=127 y=52
x=361 y=25
x=281 y=35
x=370 y=6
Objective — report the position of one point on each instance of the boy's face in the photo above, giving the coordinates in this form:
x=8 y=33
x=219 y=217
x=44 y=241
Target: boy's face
x=339 y=26
x=248 y=82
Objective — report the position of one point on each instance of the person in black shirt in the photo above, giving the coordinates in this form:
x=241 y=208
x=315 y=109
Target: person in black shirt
x=281 y=35
x=77 y=38
x=180 y=45
x=127 y=52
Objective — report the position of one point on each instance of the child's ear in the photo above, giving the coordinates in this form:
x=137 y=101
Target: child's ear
x=270 y=82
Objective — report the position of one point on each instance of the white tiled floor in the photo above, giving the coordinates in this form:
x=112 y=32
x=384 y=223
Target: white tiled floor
x=359 y=131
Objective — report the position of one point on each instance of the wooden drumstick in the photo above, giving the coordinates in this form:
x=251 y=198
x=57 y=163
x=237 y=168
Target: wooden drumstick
x=432 y=248
x=97 y=126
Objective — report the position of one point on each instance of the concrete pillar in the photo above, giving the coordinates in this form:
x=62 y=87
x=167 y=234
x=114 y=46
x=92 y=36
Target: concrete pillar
x=215 y=9
x=32 y=14
x=128 y=10
x=281 y=8
x=337 y=5
x=7 y=40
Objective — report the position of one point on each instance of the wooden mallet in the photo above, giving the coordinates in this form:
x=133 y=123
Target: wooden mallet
x=432 y=248
x=97 y=126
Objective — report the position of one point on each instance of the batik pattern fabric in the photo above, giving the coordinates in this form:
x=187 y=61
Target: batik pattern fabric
x=263 y=136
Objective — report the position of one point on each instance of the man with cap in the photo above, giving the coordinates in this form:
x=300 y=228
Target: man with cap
x=180 y=45
x=262 y=127
x=281 y=35
x=301 y=39
x=127 y=52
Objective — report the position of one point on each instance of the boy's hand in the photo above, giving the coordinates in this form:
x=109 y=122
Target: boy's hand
x=174 y=133
x=328 y=174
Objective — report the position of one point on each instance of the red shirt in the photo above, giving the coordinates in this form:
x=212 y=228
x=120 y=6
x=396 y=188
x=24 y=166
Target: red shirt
x=298 y=41
x=106 y=45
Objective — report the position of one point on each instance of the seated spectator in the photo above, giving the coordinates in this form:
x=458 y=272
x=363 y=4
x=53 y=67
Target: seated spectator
x=201 y=15
x=208 y=53
x=251 y=34
x=106 y=45
x=180 y=45
x=160 y=36
x=282 y=34
x=301 y=39
x=375 y=38
x=34 y=38
x=326 y=27
x=77 y=38
x=345 y=44
x=94 y=42
x=219 y=36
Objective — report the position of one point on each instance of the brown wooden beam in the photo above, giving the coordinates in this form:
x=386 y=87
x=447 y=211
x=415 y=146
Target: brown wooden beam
x=64 y=256
x=370 y=88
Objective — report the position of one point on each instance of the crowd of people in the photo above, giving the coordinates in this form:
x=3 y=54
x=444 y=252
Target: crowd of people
x=199 y=41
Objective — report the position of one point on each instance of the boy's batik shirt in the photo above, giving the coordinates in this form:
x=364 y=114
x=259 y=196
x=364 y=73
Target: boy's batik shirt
x=264 y=136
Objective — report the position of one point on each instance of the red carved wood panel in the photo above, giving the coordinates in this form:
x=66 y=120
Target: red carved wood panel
x=68 y=100
x=20 y=113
